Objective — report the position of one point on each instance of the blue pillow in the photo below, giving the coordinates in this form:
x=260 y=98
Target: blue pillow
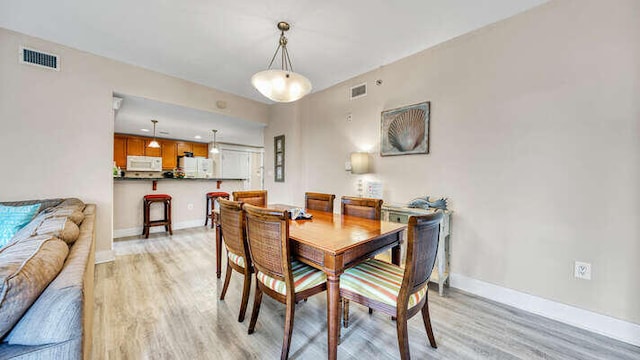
x=14 y=218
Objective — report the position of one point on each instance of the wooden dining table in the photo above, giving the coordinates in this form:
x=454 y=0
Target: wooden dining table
x=333 y=243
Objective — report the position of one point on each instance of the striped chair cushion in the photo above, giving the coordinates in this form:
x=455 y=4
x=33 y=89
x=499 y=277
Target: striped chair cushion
x=236 y=259
x=304 y=277
x=379 y=281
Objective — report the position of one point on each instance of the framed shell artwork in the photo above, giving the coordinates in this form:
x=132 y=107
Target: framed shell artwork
x=405 y=130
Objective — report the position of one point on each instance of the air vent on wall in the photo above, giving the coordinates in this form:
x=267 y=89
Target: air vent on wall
x=39 y=58
x=358 y=91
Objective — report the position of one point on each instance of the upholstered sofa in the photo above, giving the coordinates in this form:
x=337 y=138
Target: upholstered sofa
x=46 y=283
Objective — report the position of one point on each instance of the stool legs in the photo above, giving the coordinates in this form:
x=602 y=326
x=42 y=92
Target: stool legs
x=147 y=223
x=207 y=212
x=167 y=211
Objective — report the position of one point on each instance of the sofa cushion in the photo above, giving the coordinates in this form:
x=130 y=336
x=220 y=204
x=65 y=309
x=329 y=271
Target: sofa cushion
x=14 y=218
x=67 y=212
x=61 y=311
x=72 y=203
x=60 y=227
x=26 y=268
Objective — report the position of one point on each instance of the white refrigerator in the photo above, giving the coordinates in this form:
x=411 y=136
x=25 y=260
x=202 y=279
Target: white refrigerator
x=196 y=167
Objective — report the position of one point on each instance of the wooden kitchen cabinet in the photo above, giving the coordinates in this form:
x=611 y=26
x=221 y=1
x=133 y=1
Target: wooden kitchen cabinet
x=184 y=147
x=169 y=154
x=120 y=151
x=135 y=146
x=200 y=149
x=126 y=145
x=151 y=151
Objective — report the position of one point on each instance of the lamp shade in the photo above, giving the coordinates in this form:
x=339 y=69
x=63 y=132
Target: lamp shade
x=359 y=162
x=281 y=85
x=154 y=144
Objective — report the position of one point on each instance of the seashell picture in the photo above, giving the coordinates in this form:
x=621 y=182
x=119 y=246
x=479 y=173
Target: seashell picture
x=405 y=130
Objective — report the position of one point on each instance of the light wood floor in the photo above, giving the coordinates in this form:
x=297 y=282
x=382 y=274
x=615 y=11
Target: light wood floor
x=159 y=300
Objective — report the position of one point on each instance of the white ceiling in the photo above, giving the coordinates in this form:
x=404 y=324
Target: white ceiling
x=183 y=123
x=222 y=43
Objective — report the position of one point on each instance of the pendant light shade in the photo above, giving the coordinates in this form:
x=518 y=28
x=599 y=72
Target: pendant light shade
x=214 y=148
x=154 y=143
x=282 y=85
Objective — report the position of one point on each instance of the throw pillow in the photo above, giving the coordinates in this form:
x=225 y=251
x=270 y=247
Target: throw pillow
x=14 y=218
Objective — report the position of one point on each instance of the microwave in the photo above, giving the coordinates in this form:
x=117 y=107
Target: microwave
x=144 y=163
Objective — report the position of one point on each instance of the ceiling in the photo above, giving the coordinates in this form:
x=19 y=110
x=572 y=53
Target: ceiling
x=222 y=43
x=178 y=122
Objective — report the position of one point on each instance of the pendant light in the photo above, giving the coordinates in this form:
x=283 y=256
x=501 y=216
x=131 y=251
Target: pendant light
x=154 y=143
x=214 y=149
x=282 y=85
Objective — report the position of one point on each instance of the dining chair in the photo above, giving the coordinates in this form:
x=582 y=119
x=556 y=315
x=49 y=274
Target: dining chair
x=367 y=208
x=235 y=240
x=319 y=201
x=277 y=275
x=253 y=197
x=361 y=207
x=395 y=291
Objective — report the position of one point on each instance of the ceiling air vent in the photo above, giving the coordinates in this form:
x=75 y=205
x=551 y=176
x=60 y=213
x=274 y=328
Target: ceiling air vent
x=39 y=58
x=358 y=91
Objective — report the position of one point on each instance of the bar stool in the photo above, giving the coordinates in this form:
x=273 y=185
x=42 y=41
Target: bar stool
x=166 y=222
x=211 y=201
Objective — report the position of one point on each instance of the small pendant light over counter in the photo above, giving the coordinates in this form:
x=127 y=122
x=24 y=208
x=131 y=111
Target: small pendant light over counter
x=154 y=143
x=282 y=85
x=214 y=147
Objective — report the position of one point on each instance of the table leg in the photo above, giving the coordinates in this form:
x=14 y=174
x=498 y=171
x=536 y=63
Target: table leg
x=333 y=314
x=218 y=250
x=395 y=255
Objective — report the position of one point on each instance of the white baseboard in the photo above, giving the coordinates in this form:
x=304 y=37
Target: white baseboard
x=120 y=233
x=105 y=256
x=601 y=324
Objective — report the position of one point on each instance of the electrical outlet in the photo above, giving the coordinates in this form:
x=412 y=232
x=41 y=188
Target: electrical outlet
x=189 y=206
x=582 y=270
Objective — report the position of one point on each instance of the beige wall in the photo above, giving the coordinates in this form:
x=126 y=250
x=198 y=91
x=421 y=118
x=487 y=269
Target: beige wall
x=534 y=138
x=56 y=128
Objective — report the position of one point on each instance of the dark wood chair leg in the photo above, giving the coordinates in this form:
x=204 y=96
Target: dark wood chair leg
x=218 y=250
x=206 y=212
x=246 y=289
x=345 y=313
x=227 y=279
x=169 y=218
x=403 y=337
x=288 y=329
x=257 y=299
x=427 y=324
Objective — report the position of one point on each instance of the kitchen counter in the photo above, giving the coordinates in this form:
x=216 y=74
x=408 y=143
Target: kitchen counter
x=163 y=178
x=187 y=204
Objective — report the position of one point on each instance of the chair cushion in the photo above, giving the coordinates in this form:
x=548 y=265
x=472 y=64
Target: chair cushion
x=379 y=281
x=157 y=197
x=304 y=277
x=218 y=194
x=14 y=218
x=236 y=259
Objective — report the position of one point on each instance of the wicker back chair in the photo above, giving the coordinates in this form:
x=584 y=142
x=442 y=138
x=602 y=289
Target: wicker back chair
x=253 y=197
x=319 y=201
x=232 y=223
x=277 y=275
x=374 y=282
x=362 y=207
